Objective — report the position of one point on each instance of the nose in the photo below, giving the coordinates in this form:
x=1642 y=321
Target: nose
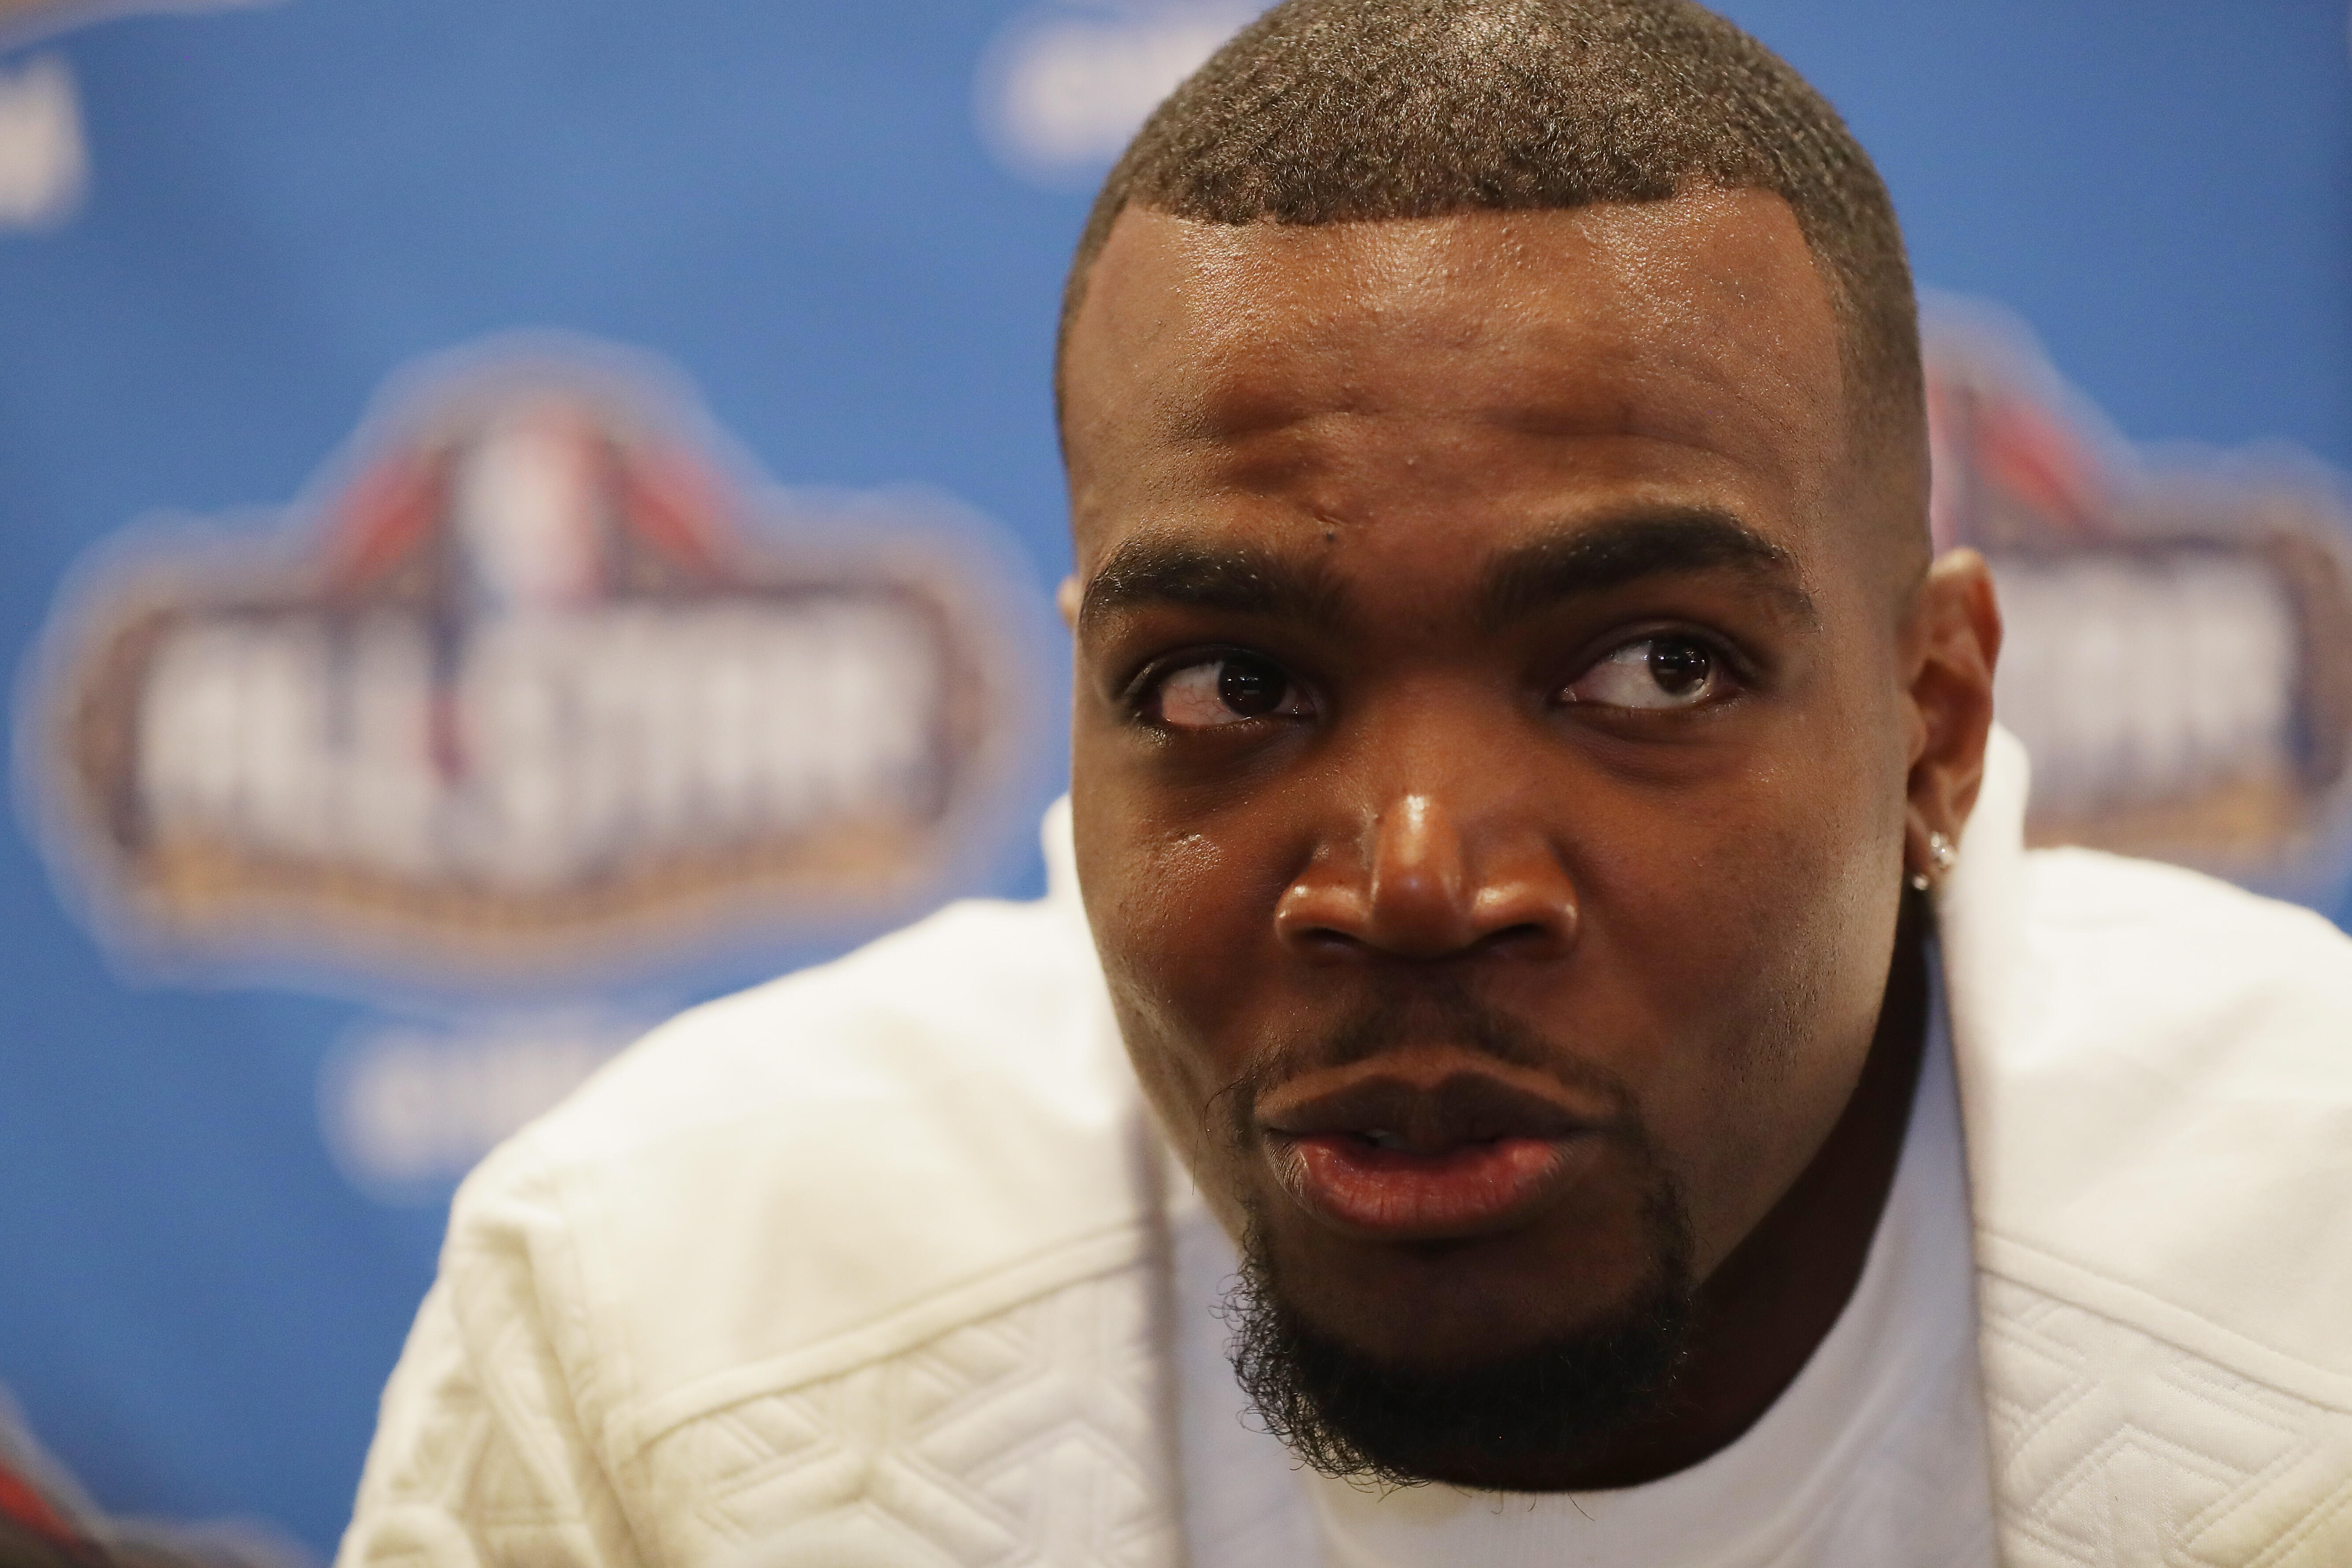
x=1413 y=884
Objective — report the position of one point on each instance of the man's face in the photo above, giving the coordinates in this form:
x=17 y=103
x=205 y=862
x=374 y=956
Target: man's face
x=1490 y=742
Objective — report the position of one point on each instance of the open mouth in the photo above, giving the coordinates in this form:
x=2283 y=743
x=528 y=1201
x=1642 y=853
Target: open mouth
x=1395 y=1194
x=1386 y=1160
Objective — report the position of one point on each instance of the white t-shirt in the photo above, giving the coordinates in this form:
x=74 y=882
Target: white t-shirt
x=1874 y=1458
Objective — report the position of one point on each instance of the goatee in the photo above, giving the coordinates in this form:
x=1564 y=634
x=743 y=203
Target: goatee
x=1352 y=1418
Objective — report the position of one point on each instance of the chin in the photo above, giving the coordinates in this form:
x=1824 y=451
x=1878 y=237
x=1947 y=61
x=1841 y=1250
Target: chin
x=1460 y=1366
x=1458 y=1304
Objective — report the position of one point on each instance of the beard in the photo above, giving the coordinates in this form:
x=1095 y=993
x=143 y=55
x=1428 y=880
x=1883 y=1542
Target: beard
x=1353 y=1417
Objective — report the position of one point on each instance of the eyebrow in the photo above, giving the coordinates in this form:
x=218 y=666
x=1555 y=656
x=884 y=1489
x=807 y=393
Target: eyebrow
x=1147 y=572
x=1596 y=559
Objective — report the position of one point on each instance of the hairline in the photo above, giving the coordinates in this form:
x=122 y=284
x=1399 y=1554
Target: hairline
x=1090 y=250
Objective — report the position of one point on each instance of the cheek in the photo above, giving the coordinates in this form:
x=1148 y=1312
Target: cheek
x=1756 y=923
x=1165 y=908
x=1178 y=916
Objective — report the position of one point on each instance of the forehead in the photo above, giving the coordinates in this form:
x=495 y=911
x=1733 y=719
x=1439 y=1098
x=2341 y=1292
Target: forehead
x=1484 y=359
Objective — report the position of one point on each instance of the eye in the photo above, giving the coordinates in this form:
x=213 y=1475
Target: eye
x=1654 y=673
x=1230 y=689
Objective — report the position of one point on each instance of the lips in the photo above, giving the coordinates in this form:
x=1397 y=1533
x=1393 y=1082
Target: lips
x=1387 y=1160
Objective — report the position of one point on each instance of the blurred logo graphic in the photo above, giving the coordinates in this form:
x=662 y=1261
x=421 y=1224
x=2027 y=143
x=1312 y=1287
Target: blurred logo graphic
x=409 y=1108
x=533 y=688
x=42 y=163
x=43 y=153
x=44 y=156
x=2178 y=651
x=1066 y=83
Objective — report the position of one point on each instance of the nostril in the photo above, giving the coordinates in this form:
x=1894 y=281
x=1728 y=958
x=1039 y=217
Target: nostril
x=1326 y=939
x=1526 y=933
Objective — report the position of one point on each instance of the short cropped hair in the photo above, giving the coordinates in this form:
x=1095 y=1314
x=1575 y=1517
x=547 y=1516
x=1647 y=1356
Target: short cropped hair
x=1340 y=111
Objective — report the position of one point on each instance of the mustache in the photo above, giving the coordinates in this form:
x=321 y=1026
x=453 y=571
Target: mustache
x=1426 y=1010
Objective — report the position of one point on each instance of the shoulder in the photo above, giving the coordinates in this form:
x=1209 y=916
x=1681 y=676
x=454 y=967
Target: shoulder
x=824 y=1171
x=2158 y=1108
x=2090 y=889
x=1002 y=997
x=2167 y=955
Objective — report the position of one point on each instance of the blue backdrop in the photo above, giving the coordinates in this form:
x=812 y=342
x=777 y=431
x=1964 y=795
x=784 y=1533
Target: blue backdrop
x=797 y=204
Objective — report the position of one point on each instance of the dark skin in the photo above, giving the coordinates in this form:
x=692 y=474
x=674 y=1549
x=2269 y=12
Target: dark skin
x=1504 y=605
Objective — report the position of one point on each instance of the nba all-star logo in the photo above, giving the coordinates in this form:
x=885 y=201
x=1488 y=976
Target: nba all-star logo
x=2177 y=652
x=535 y=681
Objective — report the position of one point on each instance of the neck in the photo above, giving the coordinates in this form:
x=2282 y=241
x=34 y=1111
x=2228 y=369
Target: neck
x=1762 y=1313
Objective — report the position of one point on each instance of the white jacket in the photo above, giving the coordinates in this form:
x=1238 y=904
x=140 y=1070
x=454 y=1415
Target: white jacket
x=867 y=1262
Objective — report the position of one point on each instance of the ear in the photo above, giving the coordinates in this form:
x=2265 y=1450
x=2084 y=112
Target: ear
x=1066 y=599
x=1954 y=644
